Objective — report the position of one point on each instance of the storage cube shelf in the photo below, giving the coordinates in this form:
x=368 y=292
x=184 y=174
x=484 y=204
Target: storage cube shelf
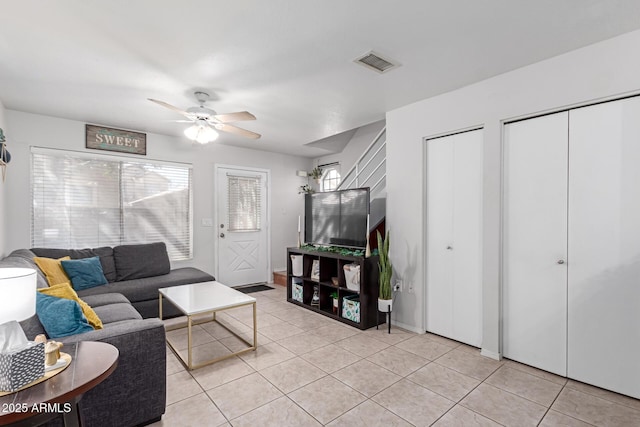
x=332 y=266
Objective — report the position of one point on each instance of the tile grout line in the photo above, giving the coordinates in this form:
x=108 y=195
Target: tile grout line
x=560 y=412
x=459 y=402
x=602 y=397
x=301 y=357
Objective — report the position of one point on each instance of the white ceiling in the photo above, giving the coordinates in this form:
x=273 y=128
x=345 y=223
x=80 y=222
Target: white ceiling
x=289 y=62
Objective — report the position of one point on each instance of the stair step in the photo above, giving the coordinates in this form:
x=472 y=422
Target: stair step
x=280 y=278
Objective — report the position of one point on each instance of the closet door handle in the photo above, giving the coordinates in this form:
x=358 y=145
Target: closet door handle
x=449 y=248
x=560 y=261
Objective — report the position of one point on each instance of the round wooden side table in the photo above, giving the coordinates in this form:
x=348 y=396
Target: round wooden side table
x=91 y=363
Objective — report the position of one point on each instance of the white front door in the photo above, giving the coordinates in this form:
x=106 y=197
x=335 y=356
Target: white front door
x=242 y=225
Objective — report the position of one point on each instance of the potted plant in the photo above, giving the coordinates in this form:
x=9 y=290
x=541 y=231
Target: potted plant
x=316 y=173
x=305 y=189
x=334 y=296
x=386 y=270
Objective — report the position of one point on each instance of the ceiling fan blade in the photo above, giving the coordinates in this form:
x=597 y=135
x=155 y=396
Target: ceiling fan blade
x=171 y=107
x=236 y=130
x=234 y=117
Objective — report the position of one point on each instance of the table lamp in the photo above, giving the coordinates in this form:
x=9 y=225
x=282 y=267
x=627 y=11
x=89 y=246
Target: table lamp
x=17 y=294
x=21 y=362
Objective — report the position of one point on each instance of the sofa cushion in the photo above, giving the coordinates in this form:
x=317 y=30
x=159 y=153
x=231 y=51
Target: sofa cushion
x=32 y=327
x=64 y=290
x=105 y=299
x=147 y=289
x=105 y=253
x=141 y=261
x=17 y=262
x=60 y=317
x=23 y=258
x=52 y=269
x=116 y=313
x=84 y=273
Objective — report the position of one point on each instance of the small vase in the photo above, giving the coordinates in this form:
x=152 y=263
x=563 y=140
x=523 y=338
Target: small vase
x=385 y=305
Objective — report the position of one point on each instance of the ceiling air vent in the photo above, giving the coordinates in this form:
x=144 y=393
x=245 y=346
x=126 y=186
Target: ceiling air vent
x=376 y=62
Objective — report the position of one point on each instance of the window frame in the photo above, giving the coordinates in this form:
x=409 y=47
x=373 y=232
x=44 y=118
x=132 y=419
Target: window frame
x=324 y=178
x=184 y=248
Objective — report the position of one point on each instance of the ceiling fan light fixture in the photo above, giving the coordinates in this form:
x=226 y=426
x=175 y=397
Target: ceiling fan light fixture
x=202 y=133
x=192 y=132
x=206 y=135
x=206 y=122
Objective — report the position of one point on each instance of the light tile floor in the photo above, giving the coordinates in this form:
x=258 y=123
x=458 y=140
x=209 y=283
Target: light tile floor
x=310 y=370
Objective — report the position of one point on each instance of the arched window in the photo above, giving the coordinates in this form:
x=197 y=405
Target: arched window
x=330 y=179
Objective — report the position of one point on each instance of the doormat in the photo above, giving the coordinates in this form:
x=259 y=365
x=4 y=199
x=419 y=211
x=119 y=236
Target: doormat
x=253 y=288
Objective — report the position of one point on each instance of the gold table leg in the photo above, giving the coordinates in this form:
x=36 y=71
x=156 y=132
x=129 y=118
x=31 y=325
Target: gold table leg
x=189 y=344
x=190 y=323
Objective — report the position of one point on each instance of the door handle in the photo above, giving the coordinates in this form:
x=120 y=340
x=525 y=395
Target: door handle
x=560 y=261
x=449 y=248
x=222 y=235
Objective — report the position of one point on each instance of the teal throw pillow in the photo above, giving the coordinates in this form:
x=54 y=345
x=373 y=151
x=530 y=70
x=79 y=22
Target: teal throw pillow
x=60 y=317
x=84 y=273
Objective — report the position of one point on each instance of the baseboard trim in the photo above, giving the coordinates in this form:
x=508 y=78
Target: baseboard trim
x=490 y=354
x=407 y=327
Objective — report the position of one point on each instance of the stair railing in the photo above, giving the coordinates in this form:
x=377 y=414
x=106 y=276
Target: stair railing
x=370 y=168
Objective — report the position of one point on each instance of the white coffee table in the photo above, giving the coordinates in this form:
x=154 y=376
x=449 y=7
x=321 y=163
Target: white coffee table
x=203 y=298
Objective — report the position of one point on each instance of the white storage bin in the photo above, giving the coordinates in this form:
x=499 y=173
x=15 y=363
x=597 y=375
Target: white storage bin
x=352 y=276
x=296 y=265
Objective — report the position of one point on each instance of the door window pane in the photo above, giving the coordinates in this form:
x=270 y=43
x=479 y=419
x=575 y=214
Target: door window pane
x=244 y=203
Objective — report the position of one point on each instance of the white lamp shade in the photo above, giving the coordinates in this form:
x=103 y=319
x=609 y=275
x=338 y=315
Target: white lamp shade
x=206 y=135
x=201 y=133
x=18 y=287
x=192 y=132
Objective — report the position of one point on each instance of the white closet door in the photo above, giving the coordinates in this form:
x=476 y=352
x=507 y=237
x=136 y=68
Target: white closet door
x=535 y=242
x=454 y=218
x=604 y=246
x=440 y=236
x=467 y=239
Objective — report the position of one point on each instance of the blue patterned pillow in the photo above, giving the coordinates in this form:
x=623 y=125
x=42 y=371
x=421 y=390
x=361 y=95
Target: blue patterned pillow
x=84 y=273
x=60 y=317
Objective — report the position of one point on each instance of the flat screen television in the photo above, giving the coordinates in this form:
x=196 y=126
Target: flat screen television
x=337 y=218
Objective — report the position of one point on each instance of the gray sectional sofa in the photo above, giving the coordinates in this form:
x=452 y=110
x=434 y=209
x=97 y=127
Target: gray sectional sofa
x=135 y=394
x=124 y=267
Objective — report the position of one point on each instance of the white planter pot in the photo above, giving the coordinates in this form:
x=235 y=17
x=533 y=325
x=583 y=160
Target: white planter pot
x=385 y=305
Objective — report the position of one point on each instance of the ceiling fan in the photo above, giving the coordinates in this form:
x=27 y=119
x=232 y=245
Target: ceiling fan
x=207 y=122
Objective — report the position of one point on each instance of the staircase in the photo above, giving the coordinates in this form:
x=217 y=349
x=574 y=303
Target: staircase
x=370 y=171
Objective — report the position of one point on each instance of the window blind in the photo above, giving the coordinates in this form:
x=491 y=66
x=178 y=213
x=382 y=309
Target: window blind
x=243 y=204
x=81 y=201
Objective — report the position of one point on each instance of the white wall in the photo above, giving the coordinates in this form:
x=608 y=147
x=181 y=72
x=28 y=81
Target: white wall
x=359 y=142
x=3 y=204
x=43 y=131
x=607 y=69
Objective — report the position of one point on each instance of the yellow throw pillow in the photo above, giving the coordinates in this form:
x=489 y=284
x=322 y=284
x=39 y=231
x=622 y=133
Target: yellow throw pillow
x=52 y=269
x=64 y=290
